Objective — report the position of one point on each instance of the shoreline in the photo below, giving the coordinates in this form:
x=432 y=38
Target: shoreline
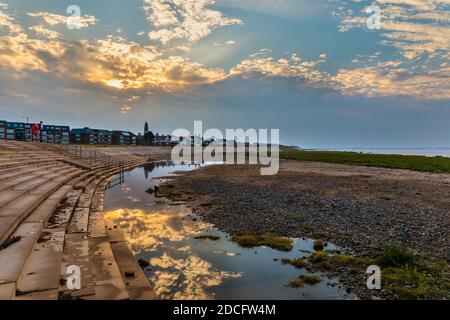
x=360 y=209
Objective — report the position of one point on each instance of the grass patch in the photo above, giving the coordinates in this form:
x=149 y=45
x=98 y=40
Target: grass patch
x=405 y=274
x=317 y=257
x=396 y=256
x=412 y=283
x=250 y=240
x=417 y=163
x=310 y=279
x=411 y=276
x=298 y=263
x=207 y=237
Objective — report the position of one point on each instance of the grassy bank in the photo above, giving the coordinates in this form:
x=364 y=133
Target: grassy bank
x=417 y=163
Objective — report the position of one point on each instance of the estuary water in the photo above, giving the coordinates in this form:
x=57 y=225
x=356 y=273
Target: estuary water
x=183 y=267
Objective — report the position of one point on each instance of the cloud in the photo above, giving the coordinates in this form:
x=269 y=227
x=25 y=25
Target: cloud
x=186 y=20
x=119 y=65
x=56 y=19
x=419 y=30
x=292 y=67
x=125 y=109
x=390 y=79
x=19 y=52
x=415 y=27
x=40 y=30
x=9 y=23
x=226 y=43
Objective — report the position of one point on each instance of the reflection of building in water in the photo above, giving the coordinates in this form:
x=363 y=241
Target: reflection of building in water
x=148 y=168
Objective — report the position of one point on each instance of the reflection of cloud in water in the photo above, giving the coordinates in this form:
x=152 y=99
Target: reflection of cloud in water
x=126 y=188
x=146 y=231
x=150 y=231
x=190 y=277
x=133 y=199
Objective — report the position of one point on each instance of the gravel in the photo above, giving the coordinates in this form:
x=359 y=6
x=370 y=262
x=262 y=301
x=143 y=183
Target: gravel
x=359 y=212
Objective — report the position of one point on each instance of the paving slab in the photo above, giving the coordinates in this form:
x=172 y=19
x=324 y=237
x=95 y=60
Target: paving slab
x=43 y=211
x=7 y=291
x=42 y=269
x=13 y=258
x=109 y=284
x=20 y=206
x=115 y=233
x=7 y=196
x=79 y=221
x=138 y=286
x=85 y=199
x=76 y=252
x=7 y=224
x=41 y=295
x=96 y=227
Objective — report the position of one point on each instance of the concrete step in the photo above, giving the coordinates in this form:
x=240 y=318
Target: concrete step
x=136 y=283
x=40 y=295
x=21 y=207
x=7 y=291
x=28 y=156
x=64 y=211
x=12 y=258
x=43 y=212
x=109 y=284
x=79 y=221
x=17 y=172
x=7 y=196
x=13 y=164
x=41 y=271
x=27 y=167
x=76 y=252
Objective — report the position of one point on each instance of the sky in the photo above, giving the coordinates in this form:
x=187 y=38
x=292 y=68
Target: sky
x=323 y=72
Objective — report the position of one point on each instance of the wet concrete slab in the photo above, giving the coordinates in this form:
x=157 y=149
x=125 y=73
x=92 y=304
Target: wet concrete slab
x=14 y=256
x=42 y=269
x=79 y=221
x=137 y=284
x=108 y=280
x=76 y=252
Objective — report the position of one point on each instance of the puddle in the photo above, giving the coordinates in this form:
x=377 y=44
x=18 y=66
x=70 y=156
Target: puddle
x=182 y=267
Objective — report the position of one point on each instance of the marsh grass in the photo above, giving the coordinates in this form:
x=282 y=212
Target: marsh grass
x=417 y=163
x=405 y=274
x=250 y=240
x=298 y=263
x=310 y=279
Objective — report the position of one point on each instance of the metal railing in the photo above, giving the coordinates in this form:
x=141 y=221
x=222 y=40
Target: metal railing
x=92 y=157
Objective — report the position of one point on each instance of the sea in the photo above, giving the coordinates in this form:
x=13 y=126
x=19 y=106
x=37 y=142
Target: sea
x=429 y=152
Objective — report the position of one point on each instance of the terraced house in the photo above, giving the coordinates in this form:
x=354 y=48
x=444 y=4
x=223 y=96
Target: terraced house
x=22 y=132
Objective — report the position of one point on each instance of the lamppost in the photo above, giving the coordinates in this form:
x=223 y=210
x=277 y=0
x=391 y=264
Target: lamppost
x=25 y=117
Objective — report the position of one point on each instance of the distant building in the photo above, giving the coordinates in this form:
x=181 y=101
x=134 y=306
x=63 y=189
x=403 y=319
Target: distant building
x=149 y=138
x=98 y=136
x=82 y=136
x=63 y=135
x=123 y=138
x=2 y=129
x=55 y=134
x=162 y=140
x=22 y=132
